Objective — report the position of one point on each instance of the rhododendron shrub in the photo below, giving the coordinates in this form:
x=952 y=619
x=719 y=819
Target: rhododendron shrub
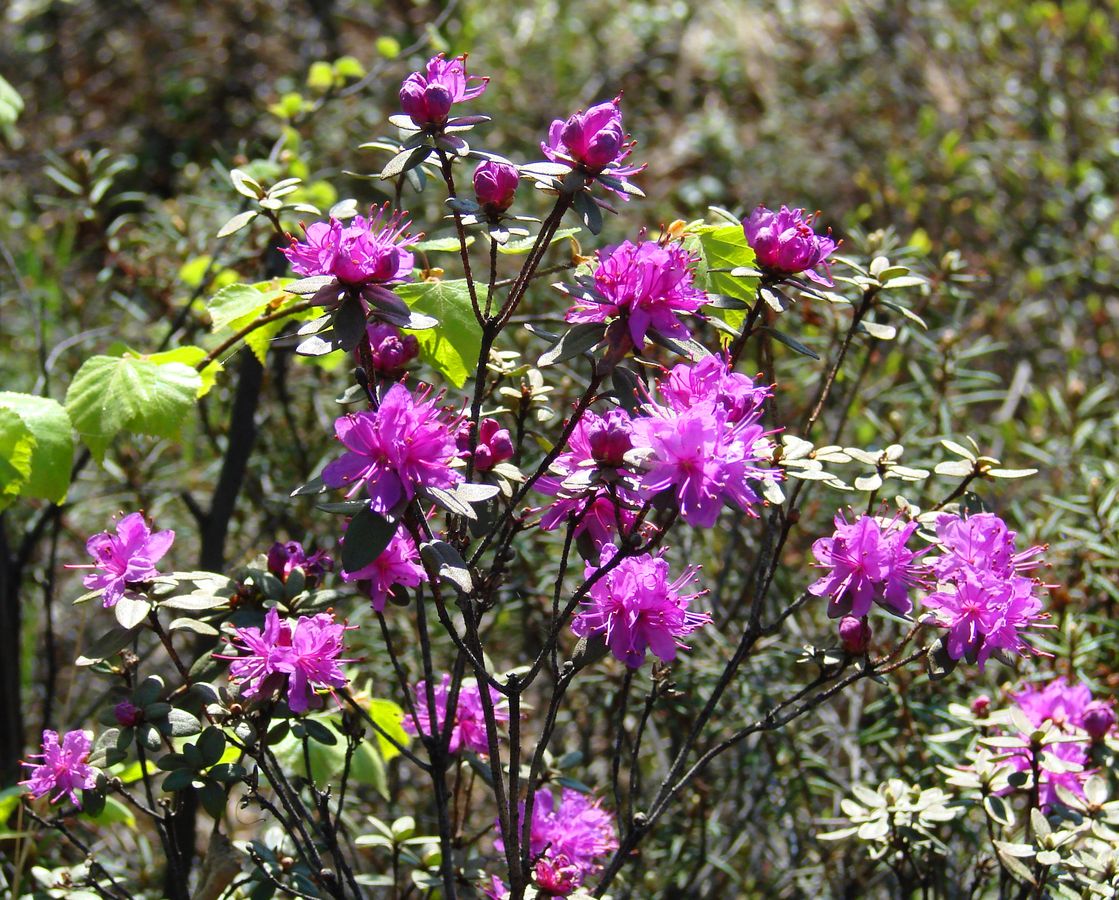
x=556 y=513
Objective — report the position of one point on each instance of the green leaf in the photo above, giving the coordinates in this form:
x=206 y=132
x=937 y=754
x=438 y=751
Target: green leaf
x=389 y=716
x=115 y=812
x=235 y=305
x=17 y=444
x=9 y=800
x=724 y=247
x=53 y=449
x=190 y=355
x=367 y=536
x=453 y=345
x=113 y=394
x=11 y=103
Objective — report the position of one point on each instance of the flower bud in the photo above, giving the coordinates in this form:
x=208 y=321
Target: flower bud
x=494 y=445
x=391 y=350
x=1099 y=719
x=981 y=706
x=854 y=634
x=610 y=438
x=495 y=185
x=128 y=714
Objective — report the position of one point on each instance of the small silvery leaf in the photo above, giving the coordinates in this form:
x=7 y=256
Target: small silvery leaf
x=238 y=222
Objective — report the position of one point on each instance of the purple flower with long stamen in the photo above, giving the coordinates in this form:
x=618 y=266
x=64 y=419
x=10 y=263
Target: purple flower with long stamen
x=569 y=838
x=642 y=286
x=635 y=607
x=589 y=479
x=785 y=243
x=593 y=142
x=469 y=729
x=403 y=445
x=707 y=447
x=369 y=253
x=398 y=564
x=982 y=599
x=306 y=652
x=125 y=559
x=427 y=96
x=868 y=563
x=64 y=768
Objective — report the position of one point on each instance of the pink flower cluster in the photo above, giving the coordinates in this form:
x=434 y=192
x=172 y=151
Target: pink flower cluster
x=593 y=142
x=402 y=445
x=704 y=441
x=389 y=348
x=641 y=286
x=305 y=653
x=64 y=768
x=427 y=96
x=567 y=841
x=398 y=564
x=363 y=253
x=469 y=729
x=126 y=559
x=785 y=243
x=1071 y=709
x=868 y=562
x=635 y=607
x=982 y=596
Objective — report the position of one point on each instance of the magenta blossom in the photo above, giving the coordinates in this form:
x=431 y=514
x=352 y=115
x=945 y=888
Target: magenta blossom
x=395 y=449
x=126 y=559
x=469 y=729
x=705 y=444
x=641 y=286
x=589 y=480
x=593 y=142
x=982 y=598
x=285 y=558
x=711 y=381
x=572 y=836
x=367 y=253
x=785 y=243
x=1064 y=706
x=426 y=97
x=398 y=564
x=868 y=562
x=636 y=608
x=390 y=349
x=495 y=186
x=494 y=444
x=64 y=769
x=1099 y=719
x=306 y=654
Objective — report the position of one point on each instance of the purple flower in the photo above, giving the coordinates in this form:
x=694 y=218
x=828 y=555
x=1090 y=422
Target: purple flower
x=868 y=562
x=982 y=598
x=785 y=243
x=402 y=445
x=64 y=769
x=495 y=185
x=306 y=653
x=390 y=349
x=398 y=564
x=364 y=253
x=494 y=444
x=855 y=635
x=636 y=608
x=593 y=142
x=644 y=285
x=701 y=449
x=1064 y=706
x=572 y=837
x=427 y=96
x=711 y=380
x=125 y=559
x=285 y=558
x=588 y=479
x=556 y=876
x=469 y=729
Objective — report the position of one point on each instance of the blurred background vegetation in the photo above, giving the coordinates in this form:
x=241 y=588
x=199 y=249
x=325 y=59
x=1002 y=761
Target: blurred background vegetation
x=975 y=140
